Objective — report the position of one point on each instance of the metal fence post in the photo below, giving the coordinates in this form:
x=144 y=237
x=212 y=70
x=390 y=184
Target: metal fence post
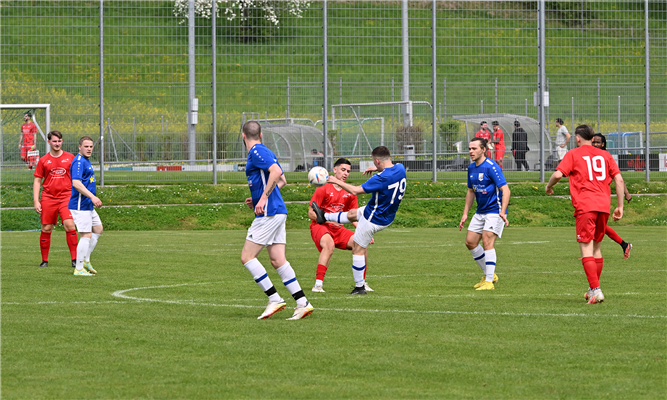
x=214 y=91
x=434 y=94
x=647 y=90
x=541 y=80
x=407 y=117
x=101 y=92
x=444 y=99
x=325 y=78
x=619 y=116
x=287 y=114
x=599 y=105
x=192 y=145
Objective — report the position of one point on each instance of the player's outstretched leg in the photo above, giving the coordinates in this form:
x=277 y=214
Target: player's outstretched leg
x=626 y=249
x=318 y=213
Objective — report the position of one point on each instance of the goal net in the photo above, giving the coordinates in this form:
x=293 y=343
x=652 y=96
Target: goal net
x=23 y=129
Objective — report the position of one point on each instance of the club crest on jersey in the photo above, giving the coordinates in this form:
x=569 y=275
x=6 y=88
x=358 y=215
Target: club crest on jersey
x=481 y=176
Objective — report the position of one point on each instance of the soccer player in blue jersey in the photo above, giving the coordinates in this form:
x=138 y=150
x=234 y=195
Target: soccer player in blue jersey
x=387 y=188
x=265 y=178
x=82 y=205
x=487 y=185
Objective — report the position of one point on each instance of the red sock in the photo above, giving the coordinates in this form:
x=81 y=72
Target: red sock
x=599 y=263
x=72 y=242
x=591 y=269
x=44 y=245
x=321 y=270
x=612 y=235
x=365 y=269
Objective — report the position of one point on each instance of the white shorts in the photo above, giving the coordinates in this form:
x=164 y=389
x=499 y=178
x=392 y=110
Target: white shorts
x=365 y=229
x=268 y=230
x=561 y=152
x=487 y=222
x=85 y=220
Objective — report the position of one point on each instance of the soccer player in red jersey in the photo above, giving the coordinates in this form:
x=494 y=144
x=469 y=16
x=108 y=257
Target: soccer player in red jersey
x=54 y=168
x=499 y=143
x=28 y=131
x=590 y=170
x=332 y=198
x=484 y=133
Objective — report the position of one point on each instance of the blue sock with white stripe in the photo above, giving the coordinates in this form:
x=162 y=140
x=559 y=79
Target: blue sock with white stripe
x=478 y=255
x=262 y=278
x=340 y=217
x=358 y=269
x=490 y=264
x=288 y=276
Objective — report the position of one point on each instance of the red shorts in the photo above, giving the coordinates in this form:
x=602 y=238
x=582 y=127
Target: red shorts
x=340 y=235
x=591 y=226
x=51 y=208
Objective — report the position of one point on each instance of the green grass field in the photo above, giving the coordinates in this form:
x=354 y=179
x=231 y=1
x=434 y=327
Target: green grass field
x=173 y=315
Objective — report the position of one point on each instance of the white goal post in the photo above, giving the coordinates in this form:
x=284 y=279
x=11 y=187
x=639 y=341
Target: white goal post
x=47 y=122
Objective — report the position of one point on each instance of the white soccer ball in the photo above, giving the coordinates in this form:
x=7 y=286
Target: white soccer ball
x=318 y=176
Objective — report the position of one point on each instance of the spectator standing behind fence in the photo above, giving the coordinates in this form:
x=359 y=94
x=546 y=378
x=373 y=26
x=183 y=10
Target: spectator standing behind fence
x=318 y=159
x=28 y=131
x=499 y=143
x=562 y=138
x=520 y=146
x=485 y=133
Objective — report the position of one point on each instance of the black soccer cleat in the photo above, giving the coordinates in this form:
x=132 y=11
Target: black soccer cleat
x=74 y=263
x=358 y=290
x=319 y=213
x=44 y=264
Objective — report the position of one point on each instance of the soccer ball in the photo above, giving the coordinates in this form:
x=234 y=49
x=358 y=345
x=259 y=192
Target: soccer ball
x=318 y=176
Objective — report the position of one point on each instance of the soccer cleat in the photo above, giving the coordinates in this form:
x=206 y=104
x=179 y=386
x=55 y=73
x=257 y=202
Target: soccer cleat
x=318 y=288
x=587 y=295
x=318 y=213
x=81 y=272
x=486 y=286
x=495 y=279
x=302 y=312
x=272 y=308
x=626 y=251
x=89 y=267
x=358 y=290
x=368 y=288
x=44 y=264
x=74 y=263
x=596 y=296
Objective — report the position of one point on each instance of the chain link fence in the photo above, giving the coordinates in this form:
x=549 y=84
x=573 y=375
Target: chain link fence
x=119 y=71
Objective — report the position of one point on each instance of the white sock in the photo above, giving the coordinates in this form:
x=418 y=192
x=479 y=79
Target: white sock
x=319 y=282
x=262 y=278
x=81 y=249
x=358 y=269
x=478 y=255
x=91 y=246
x=490 y=264
x=340 y=217
x=288 y=276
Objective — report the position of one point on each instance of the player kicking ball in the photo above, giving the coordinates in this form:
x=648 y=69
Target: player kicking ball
x=590 y=170
x=332 y=235
x=54 y=168
x=82 y=205
x=265 y=178
x=387 y=189
x=486 y=185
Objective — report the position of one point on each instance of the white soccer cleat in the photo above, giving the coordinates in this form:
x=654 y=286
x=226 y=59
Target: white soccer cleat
x=272 y=308
x=368 y=288
x=302 y=312
x=596 y=296
x=318 y=289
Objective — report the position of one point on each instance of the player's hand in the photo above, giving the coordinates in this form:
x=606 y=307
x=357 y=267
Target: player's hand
x=463 y=221
x=248 y=202
x=372 y=240
x=549 y=191
x=370 y=170
x=32 y=147
x=38 y=208
x=333 y=179
x=628 y=197
x=618 y=214
x=96 y=201
x=259 y=208
x=504 y=217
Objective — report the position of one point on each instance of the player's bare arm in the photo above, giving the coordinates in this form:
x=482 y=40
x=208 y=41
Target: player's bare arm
x=275 y=174
x=79 y=186
x=370 y=170
x=282 y=181
x=355 y=190
x=555 y=178
x=620 y=188
x=628 y=196
x=470 y=197
x=36 y=185
x=506 y=201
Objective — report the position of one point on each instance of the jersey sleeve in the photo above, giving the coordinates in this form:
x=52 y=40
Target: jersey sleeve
x=374 y=184
x=262 y=159
x=354 y=203
x=469 y=181
x=612 y=166
x=77 y=169
x=566 y=164
x=39 y=169
x=318 y=196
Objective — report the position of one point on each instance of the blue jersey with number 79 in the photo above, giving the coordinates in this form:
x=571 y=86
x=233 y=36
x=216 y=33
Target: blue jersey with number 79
x=387 y=189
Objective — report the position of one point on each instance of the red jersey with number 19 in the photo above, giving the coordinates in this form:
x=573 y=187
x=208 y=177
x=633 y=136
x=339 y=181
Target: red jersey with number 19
x=57 y=177
x=590 y=170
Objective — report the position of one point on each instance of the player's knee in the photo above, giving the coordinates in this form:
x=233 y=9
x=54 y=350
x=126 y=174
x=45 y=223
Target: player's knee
x=470 y=245
x=48 y=228
x=327 y=245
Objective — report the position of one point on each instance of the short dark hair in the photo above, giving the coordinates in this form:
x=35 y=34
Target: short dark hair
x=54 y=133
x=495 y=123
x=603 y=139
x=342 y=161
x=381 y=152
x=517 y=123
x=559 y=120
x=585 y=132
x=252 y=130
x=84 y=138
x=482 y=142
x=482 y=123
x=28 y=113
